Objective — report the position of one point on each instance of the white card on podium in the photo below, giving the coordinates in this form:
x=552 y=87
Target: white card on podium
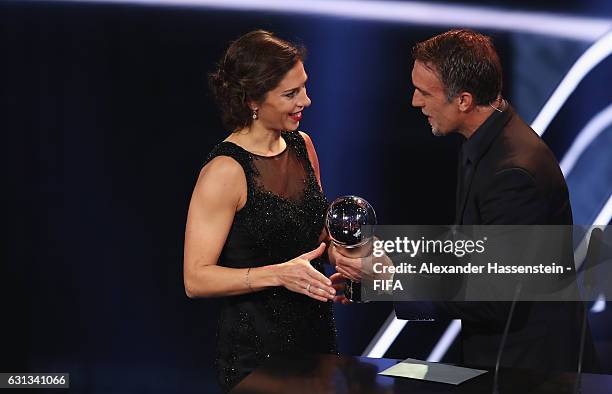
x=434 y=372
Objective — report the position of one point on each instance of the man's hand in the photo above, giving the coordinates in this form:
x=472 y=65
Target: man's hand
x=339 y=283
x=350 y=267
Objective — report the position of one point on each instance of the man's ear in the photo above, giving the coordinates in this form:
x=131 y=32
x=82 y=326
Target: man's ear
x=465 y=101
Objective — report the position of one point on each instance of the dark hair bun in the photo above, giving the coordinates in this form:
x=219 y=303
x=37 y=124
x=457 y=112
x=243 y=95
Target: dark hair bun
x=253 y=65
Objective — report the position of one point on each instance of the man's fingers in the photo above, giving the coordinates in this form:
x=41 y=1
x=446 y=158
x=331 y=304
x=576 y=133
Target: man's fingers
x=354 y=262
x=346 y=274
x=354 y=273
x=332 y=253
x=342 y=299
x=335 y=277
x=338 y=281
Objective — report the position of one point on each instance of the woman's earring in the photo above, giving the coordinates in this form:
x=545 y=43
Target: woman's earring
x=254 y=114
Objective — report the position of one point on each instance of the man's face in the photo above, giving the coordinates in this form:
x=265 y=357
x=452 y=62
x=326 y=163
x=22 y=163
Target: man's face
x=430 y=97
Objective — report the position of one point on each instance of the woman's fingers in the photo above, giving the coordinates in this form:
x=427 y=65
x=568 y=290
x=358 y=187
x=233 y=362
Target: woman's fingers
x=313 y=254
x=316 y=275
x=316 y=290
x=319 y=280
x=322 y=290
x=299 y=276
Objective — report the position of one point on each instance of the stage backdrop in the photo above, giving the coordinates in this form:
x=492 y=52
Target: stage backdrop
x=106 y=120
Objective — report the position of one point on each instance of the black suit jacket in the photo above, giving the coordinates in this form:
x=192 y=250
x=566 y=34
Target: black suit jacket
x=512 y=178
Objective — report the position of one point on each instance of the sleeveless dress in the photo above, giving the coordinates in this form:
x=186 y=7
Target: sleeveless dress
x=282 y=219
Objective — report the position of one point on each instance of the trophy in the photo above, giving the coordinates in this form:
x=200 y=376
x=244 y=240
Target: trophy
x=345 y=216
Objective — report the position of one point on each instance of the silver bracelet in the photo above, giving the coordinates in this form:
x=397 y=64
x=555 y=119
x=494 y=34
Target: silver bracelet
x=248 y=282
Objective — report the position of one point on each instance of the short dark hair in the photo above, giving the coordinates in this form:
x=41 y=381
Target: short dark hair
x=253 y=65
x=465 y=61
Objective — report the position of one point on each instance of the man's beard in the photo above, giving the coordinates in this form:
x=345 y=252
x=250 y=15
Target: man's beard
x=436 y=132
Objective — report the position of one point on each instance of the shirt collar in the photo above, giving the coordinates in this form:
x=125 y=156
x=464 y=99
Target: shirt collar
x=474 y=147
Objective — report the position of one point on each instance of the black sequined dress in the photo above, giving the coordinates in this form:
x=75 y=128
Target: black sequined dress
x=282 y=219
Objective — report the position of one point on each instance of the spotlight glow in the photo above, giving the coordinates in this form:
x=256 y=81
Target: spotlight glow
x=445 y=341
x=414 y=12
x=591 y=131
x=385 y=336
x=588 y=61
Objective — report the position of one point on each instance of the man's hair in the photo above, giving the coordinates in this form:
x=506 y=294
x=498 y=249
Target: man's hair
x=465 y=61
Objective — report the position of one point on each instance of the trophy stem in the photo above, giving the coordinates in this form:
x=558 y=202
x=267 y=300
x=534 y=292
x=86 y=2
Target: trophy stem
x=353 y=291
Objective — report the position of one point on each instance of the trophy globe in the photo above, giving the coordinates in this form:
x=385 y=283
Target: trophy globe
x=345 y=217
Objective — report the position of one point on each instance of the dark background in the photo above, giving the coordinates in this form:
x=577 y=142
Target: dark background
x=106 y=119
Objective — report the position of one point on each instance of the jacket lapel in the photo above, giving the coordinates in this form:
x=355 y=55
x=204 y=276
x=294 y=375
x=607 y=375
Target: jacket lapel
x=463 y=195
x=493 y=128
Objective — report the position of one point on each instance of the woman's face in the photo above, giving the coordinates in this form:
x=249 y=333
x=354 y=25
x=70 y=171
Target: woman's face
x=283 y=105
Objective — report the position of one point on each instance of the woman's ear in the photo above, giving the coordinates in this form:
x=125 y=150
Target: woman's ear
x=253 y=105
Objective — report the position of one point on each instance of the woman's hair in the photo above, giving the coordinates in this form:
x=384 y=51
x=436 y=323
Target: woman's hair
x=253 y=65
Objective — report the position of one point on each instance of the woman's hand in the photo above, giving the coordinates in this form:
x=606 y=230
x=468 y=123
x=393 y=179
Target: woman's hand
x=299 y=276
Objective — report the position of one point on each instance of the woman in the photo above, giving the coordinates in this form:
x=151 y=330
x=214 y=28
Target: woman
x=255 y=220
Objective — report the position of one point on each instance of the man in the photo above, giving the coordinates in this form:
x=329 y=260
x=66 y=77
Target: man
x=506 y=175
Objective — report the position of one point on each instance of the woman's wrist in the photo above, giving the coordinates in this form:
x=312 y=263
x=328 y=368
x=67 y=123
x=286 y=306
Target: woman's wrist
x=247 y=279
x=263 y=277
